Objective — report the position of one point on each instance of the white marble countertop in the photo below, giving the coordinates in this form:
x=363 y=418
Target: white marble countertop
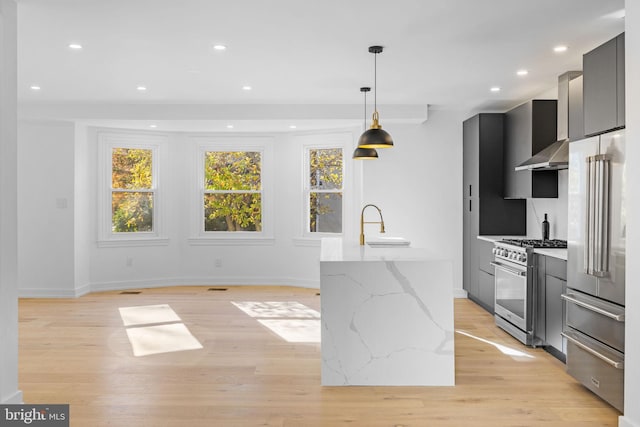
x=334 y=249
x=494 y=239
x=556 y=253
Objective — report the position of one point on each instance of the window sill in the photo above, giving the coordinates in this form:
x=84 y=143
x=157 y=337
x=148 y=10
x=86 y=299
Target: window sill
x=122 y=243
x=225 y=241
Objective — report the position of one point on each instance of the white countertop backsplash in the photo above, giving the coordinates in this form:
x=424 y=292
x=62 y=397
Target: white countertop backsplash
x=556 y=210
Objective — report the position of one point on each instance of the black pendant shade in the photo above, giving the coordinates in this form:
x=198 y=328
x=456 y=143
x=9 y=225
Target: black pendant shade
x=362 y=153
x=365 y=154
x=375 y=137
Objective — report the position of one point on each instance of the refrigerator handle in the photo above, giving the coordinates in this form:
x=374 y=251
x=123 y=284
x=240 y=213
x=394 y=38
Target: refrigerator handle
x=596 y=254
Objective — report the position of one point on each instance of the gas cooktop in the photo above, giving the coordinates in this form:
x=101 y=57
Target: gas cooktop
x=537 y=243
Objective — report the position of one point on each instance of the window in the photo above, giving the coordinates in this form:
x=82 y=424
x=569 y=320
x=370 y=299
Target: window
x=132 y=190
x=232 y=191
x=130 y=193
x=324 y=189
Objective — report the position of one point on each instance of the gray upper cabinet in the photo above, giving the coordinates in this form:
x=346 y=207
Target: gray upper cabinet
x=604 y=84
x=530 y=128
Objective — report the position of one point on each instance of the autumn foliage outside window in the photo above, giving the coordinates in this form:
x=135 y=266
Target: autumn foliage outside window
x=232 y=191
x=325 y=190
x=132 y=192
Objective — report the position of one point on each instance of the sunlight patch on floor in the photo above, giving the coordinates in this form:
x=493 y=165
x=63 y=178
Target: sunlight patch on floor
x=512 y=352
x=294 y=330
x=148 y=314
x=290 y=320
x=277 y=309
x=154 y=329
x=161 y=339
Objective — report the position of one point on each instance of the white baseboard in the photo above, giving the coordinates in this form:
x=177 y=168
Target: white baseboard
x=14 y=399
x=459 y=293
x=626 y=422
x=53 y=293
x=204 y=281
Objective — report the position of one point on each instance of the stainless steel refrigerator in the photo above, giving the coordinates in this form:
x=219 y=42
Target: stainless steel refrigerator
x=595 y=297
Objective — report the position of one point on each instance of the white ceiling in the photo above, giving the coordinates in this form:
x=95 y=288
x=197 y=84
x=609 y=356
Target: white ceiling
x=445 y=53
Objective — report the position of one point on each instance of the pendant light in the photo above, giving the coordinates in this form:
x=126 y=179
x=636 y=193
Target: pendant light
x=375 y=137
x=365 y=153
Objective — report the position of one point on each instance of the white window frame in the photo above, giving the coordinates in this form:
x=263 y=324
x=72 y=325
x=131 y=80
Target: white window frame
x=107 y=141
x=344 y=141
x=204 y=144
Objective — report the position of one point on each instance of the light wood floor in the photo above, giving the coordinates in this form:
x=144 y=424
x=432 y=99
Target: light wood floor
x=76 y=351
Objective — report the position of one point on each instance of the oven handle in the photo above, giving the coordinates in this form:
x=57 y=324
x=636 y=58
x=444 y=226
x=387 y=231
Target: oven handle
x=509 y=269
x=615 y=364
x=573 y=299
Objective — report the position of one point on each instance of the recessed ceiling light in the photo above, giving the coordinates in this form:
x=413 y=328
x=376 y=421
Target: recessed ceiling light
x=246 y=88
x=141 y=88
x=560 y=49
x=292 y=126
x=34 y=87
x=522 y=72
x=153 y=126
x=75 y=46
x=495 y=89
x=229 y=126
x=219 y=47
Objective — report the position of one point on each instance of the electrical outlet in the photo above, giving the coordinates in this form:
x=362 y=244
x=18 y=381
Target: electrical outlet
x=218 y=262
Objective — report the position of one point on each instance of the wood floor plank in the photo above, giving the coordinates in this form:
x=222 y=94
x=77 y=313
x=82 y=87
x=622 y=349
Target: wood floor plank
x=77 y=351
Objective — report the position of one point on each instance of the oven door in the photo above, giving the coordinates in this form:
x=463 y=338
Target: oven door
x=511 y=293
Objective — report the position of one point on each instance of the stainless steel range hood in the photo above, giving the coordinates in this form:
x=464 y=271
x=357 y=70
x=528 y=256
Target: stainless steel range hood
x=556 y=156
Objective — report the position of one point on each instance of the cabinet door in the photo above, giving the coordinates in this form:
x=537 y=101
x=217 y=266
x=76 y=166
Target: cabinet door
x=517 y=149
x=470 y=156
x=486 y=290
x=485 y=256
x=471 y=247
x=600 y=73
x=466 y=246
x=554 y=310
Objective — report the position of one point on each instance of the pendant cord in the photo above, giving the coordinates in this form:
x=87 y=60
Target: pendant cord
x=375 y=82
x=365 y=110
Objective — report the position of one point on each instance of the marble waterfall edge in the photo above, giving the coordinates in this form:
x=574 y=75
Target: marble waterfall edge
x=387 y=322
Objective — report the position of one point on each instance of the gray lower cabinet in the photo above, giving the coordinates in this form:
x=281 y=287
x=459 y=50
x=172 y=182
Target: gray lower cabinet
x=552 y=283
x=484 y=294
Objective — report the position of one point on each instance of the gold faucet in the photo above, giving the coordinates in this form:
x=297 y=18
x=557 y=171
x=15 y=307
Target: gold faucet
x=362 y=222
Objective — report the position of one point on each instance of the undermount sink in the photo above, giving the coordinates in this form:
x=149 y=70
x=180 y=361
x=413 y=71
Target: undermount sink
x=389 y=242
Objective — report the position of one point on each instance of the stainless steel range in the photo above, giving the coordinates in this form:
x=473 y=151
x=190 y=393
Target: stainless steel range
x=515 y=281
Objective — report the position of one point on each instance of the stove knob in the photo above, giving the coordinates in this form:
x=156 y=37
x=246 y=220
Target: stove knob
x=524 y=257
x=494 y=251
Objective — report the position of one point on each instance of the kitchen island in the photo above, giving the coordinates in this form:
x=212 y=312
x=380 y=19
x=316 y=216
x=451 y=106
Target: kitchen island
x=387 y=316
